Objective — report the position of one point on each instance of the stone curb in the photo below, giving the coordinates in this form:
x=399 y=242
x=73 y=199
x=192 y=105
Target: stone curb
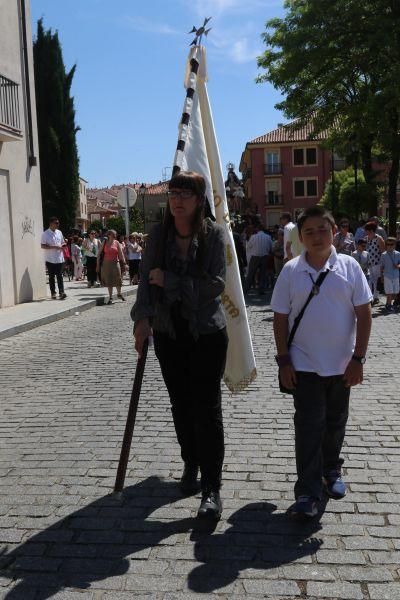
x=38 y=322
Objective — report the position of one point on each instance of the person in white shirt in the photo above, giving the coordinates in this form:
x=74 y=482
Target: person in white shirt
x=294 y=247
x=133 y=252
x=326 y=355
x=258 y=248
x=53 y=242
x=288 y=225
x=91 y=246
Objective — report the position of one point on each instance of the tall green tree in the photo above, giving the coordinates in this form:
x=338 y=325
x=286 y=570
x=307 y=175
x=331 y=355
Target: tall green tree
x=337 y=64
x=344 y=198
x=59 y=162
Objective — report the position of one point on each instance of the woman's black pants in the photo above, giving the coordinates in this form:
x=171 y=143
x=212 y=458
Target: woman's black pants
x=192 y=371
x=91 y=264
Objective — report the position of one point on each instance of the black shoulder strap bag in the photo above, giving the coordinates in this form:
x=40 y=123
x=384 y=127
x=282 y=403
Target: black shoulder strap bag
x=296 y=323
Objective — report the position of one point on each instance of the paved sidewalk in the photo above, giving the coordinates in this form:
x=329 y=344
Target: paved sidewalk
x=65 y=389
x=24 y=317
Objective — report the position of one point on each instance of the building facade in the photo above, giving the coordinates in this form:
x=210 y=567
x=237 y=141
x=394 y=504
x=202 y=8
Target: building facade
x=284 y=171
x=81 y=218
x=22 y=274
x=151 y=202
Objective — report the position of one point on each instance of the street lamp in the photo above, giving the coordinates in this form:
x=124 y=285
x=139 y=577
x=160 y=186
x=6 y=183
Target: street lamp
x=142 y=191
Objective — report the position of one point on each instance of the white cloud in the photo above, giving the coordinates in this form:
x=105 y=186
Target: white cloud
x=241 y=51
x=148 y=26
x=216 y=8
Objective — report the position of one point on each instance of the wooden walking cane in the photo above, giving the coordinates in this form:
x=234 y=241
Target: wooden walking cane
x=130 y=421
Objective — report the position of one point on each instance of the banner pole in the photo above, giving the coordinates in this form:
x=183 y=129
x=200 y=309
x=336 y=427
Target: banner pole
x=131 y=419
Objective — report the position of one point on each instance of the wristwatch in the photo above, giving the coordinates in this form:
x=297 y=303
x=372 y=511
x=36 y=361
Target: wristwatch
x=361 y=359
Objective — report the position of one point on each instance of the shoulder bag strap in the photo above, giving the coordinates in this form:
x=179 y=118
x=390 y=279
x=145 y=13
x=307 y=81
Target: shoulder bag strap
x=297 y=320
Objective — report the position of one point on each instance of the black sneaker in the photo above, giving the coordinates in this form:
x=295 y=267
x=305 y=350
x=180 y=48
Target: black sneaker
x=210 y=506
x=305 y=507
x=63 y=296
x=54 y=296
x=188 y=483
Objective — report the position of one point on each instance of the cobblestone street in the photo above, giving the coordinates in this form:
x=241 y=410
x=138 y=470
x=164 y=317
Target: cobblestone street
x=65 y=389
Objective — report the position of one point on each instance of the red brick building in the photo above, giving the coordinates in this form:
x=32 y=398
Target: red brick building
x=285 y=171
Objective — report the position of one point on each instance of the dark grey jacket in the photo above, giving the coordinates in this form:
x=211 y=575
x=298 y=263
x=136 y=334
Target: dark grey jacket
x=198 y=294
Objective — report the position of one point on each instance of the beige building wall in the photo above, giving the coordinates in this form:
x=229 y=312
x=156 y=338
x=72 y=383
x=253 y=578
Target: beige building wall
x=22 y=274
x=82 y=208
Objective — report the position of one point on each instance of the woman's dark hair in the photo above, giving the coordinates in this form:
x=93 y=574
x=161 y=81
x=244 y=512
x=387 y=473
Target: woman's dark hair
x=186 y=180
x=370 y=226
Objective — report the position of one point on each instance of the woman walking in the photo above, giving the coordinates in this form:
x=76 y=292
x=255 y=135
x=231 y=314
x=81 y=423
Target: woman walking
x=133 y=252
x=179 y=302
x=76 y=255
x=111 y=264
x=91 y=247
x=375 y=247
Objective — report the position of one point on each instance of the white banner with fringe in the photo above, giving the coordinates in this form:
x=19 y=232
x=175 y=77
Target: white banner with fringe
x=200 y=153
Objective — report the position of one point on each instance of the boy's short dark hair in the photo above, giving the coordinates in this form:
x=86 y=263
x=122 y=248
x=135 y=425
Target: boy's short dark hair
x=315 y=211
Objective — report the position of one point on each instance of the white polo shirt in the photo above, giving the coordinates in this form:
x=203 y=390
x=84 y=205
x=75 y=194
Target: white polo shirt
x=53 y=238
x=325 y=339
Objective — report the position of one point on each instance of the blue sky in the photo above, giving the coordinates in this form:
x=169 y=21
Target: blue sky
x=128 y=86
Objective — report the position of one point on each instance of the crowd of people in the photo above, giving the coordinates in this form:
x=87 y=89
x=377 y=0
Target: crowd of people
x=100 y=258
x=262 y=252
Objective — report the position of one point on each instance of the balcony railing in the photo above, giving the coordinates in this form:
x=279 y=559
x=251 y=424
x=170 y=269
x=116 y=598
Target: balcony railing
x=272 y=199
x=9 y=106
x=273 y=169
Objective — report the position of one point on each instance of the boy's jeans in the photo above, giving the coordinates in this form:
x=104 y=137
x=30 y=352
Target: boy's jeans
x=322 y=408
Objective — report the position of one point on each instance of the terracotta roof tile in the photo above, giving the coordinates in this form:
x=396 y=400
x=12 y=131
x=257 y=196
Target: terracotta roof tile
x=151 y=188
x=289 y=134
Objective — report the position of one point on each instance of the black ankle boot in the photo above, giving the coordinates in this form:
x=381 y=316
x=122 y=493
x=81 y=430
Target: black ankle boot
x=210 y=506
x=189 y=483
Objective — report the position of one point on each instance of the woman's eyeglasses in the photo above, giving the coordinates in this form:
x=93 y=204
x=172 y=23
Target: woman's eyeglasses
x=184 y=194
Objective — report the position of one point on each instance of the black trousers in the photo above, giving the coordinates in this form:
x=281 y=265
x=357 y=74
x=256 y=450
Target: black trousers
x=134 y=265
x=321 y=413
x=192 y=371
x=55 y=271
x=91 y=274
x=255 y=263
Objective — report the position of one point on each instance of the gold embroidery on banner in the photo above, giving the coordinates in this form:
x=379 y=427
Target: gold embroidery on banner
x=229 y=306
x=217 y=200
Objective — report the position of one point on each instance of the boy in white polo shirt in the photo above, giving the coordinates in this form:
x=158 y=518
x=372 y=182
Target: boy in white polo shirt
x=326 y=356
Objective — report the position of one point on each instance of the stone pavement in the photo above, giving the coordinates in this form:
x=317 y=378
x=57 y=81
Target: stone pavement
x=29 y=315
x=63 y=402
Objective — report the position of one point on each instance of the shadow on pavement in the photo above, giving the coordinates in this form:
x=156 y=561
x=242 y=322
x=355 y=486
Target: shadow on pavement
x=381 y=311
x=257 y=539
x=103 y=539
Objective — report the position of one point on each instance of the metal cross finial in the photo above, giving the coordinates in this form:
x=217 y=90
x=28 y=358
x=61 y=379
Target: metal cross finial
x=200 y=32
